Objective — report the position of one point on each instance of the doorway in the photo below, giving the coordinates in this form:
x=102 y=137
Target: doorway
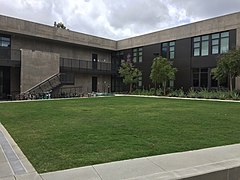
x=94 y=84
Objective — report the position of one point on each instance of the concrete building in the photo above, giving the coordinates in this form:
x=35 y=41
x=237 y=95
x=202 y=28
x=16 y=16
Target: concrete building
x=36 y=58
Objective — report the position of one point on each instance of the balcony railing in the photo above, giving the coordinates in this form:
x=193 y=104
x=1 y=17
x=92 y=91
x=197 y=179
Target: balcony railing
x=85 y=66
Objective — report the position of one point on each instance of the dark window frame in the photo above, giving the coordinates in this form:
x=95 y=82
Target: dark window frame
x=219 y=38
x=137 y=55
x=198 y=45
x=168 y=50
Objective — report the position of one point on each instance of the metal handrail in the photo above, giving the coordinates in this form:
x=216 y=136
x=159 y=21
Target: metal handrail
x=42 y=82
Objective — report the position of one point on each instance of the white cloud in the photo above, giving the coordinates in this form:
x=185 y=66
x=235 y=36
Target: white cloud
x=117 y=19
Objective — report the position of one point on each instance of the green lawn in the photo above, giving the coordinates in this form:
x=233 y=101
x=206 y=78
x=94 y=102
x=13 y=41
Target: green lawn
x=56 y=135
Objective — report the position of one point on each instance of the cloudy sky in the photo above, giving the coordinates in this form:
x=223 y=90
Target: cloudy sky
x=117 y=19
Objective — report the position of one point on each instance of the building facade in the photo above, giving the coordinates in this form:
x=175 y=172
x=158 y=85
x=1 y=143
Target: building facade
x=36 y=58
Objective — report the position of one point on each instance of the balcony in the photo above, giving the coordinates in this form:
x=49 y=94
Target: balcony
x=82 y=66
x=10 y=57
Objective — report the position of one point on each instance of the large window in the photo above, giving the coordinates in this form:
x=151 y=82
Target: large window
x=220 y=42
x=5 y=41
x=168 y=50
x=205 y=42
x=200 y=77
x=196 y=46
x=224 y=42
x=201 y=46
x=140 y=81
x=172 y=50
x=217 y=43
x=137 y=55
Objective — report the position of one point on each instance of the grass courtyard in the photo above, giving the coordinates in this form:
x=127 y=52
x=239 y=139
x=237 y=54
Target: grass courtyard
x=57 y=135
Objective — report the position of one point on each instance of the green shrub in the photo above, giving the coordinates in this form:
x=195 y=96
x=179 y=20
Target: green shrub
x=177 y=93
x=192 y=93
x=202 y=93
x=235 y=95
x=159 y=92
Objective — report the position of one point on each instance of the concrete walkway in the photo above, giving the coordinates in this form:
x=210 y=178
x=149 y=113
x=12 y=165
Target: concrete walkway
x=182 y=98
x=13 y=163
x=220 y=163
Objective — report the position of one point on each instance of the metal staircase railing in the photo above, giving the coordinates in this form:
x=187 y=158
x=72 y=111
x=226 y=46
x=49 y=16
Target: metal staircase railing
x=45 y=86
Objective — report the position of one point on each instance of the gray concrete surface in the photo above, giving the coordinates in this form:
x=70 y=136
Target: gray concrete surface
x=13 y=163
x=37 y=66
x=208 y=26
x=212 y=163
x=18 y=26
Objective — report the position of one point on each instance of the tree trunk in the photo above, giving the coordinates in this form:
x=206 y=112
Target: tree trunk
x=230 y=83
x=155 y=89
x=130 y=88
x=164 y=88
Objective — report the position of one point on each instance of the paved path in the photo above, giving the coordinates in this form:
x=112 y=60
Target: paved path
x=13 y=163
x=225 y=159
x=183 y=98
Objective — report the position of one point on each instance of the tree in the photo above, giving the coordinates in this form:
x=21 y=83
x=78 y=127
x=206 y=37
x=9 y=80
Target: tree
x=228 y=67
x=59 y=25
x=129 y=73
x=161 y=72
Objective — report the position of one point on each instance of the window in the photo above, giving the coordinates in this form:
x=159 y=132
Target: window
x=137 y=55
x=140 y=81
x=200 y=77
x=201 y=45
x=172 y=50
x=168 y=50
x=220 y=42
x=196 y=46
x=196 y=77
x=171 y=83
x=204 y=50
x=224 y=42
x=204 y=78
x=5 y=41
x=164 y=50
x=215 y=43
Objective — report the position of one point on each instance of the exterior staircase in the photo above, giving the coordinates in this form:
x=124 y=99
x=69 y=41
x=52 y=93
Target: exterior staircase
x=45 y=87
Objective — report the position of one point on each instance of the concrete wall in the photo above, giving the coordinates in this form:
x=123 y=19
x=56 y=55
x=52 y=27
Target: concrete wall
x=65 y=50
x=218 y=24
x=18 y=26
x=37 y=66
x=85 y=82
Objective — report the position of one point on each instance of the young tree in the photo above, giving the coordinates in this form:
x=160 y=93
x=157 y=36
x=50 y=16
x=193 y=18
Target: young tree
x=161 y=72
x=129 y=73
x=228 y=66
